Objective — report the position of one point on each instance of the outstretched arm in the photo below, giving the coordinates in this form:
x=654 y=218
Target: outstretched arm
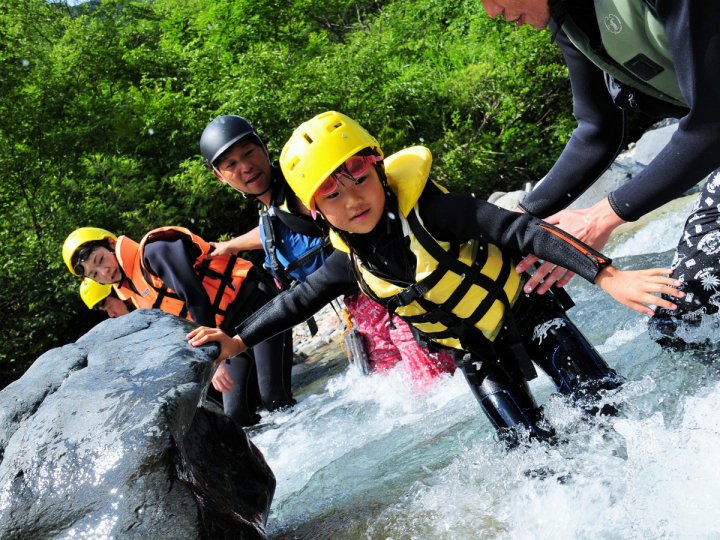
x=287 y=309
x=591 y=225
x=459 y=218
x=245 y=242
x=690 y=155
x=600 y=135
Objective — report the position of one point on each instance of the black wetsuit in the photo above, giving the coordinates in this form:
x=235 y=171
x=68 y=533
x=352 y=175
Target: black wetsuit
x=261 y=378
x=549 y=337
x=693 y=152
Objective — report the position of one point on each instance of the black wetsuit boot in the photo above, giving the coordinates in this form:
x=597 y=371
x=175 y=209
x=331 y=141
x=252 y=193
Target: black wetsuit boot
x=562 y=351
x=505 y=399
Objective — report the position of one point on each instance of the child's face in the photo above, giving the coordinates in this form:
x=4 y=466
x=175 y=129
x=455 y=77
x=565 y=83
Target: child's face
x=354 y=207
x=102 y=266
x=114 y=307
x=245 y=167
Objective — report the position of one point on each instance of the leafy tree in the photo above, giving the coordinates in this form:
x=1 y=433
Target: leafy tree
x=103 y=103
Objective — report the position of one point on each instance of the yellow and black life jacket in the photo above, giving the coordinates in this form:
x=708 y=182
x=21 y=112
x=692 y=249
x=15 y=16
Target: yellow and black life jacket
x=459 y=290
x=222 y=276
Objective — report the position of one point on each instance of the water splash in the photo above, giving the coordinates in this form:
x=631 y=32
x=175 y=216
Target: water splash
x=369 y=457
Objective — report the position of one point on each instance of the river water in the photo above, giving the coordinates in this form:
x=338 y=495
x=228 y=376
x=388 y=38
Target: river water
x=374 y=457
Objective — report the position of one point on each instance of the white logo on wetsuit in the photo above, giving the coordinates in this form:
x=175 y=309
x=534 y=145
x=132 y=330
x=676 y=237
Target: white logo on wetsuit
x=541 y=330
x=613 y=24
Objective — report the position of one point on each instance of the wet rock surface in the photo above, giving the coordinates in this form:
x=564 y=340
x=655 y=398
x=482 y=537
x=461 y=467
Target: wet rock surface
x=105 y=438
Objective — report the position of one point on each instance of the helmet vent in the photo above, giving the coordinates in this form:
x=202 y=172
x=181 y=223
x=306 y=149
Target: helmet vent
x=292 y=164
x=308 y=138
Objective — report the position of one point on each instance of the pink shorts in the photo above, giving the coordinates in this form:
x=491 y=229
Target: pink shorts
x=387 y=346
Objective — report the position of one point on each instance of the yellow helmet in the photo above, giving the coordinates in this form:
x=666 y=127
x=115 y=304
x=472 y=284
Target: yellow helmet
x=318 y=147
x=78 y=238
x=92 y=292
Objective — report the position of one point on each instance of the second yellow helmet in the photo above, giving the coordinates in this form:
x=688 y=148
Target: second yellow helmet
x=92 y=292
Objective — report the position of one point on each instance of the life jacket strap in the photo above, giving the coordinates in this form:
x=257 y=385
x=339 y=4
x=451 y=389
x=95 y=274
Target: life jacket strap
x=494 y=291
x=270 y=245
x=225 y=280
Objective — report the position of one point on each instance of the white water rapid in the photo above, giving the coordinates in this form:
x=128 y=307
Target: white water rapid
x=373 y=458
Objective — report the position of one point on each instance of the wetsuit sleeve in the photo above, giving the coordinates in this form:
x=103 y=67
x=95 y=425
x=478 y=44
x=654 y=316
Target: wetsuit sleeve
x=694 y=149
x=297 y=304
x=691 y=154
x=171 y=262
x=457 y=218
x=599 y=137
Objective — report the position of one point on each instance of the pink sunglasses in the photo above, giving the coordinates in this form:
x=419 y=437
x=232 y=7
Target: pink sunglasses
x=352 y=169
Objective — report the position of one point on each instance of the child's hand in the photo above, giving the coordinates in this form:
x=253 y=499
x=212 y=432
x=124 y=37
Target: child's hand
x=637 y=289
x=222 y=381
x=229 y=347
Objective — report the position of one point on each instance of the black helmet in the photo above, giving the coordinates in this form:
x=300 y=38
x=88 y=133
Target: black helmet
x=222 y=133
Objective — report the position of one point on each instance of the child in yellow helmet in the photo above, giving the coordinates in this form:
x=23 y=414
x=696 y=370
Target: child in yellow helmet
x=169 y=269
x=445 y=263
x=102 y=297
x=295 y=246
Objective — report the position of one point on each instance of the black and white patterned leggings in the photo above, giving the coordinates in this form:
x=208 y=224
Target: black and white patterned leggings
x=697 y=265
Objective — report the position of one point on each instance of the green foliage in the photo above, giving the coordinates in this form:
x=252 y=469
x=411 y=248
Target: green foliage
x=103 y=103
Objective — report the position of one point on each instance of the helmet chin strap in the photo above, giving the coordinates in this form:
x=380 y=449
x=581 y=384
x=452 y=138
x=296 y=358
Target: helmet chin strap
x=256 y=195
x=123 y=277
x=389 y=196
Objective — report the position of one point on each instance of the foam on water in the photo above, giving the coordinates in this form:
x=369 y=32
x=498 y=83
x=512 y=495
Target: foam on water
x=627 y=478
x=657 y=232
x=398 y=464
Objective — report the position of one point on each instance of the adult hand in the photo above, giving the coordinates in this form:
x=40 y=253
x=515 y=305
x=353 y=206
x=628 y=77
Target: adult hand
x=544 y=276
x=637 y=289
x=222 y=381
x=229 y=346
x=245 y=242
x=222 y=248
x=592 y=226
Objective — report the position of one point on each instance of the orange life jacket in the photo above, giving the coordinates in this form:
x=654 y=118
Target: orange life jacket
x=222 y=276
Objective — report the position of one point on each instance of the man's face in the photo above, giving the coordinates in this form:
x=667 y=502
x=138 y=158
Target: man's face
x=245 y=167
x=536 y=13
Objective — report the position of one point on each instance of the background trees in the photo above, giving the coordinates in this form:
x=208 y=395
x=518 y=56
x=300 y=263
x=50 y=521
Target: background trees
x=102 y=105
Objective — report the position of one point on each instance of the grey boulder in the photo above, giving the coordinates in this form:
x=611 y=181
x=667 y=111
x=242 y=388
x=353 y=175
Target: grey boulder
x=110 y=437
